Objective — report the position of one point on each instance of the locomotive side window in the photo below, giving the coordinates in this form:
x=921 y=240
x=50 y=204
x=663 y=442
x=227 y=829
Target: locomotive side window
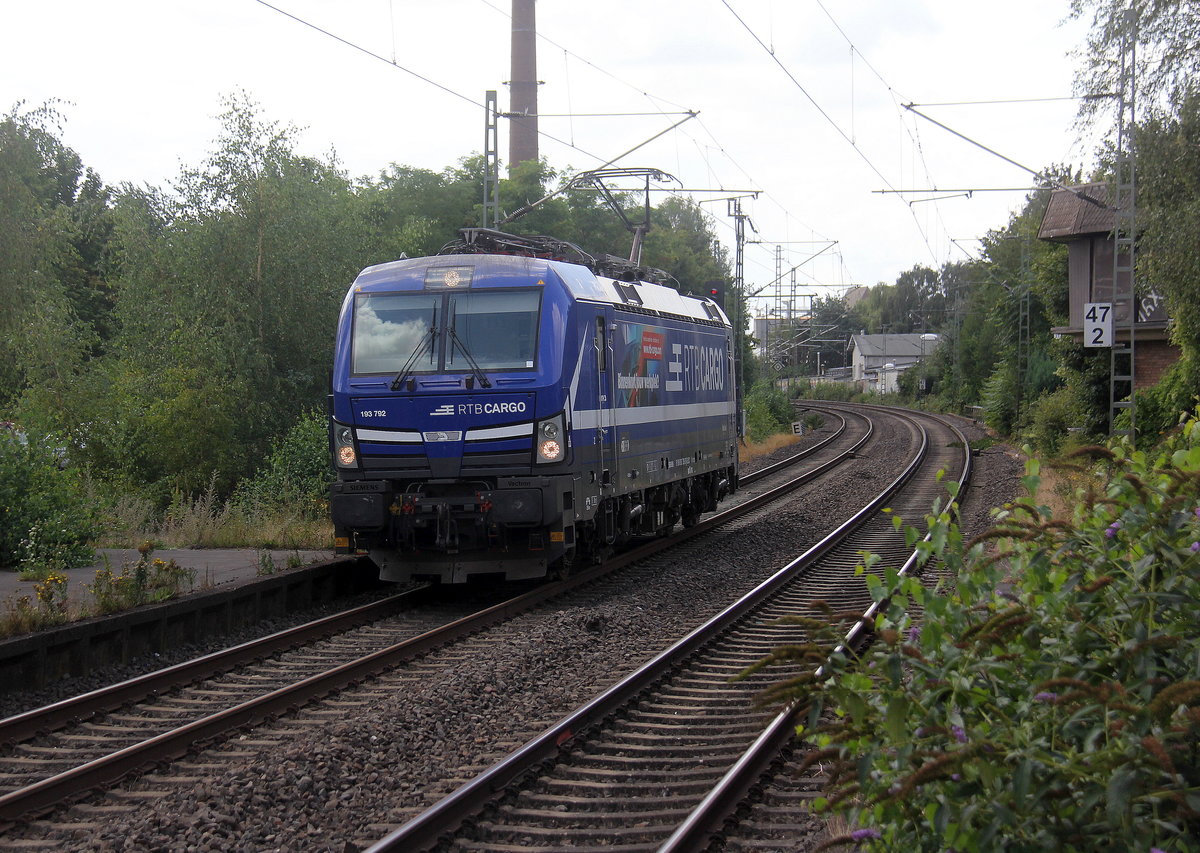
x=389 y=328
x=498 y=329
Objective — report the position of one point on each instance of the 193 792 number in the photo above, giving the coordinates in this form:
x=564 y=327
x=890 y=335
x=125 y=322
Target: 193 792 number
x=372 y=413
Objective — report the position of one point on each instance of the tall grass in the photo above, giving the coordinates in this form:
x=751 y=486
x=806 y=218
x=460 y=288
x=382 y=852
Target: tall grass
x=207 y=521
x=754 y=449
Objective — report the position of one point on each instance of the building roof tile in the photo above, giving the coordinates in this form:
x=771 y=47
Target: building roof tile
x=1070 y=214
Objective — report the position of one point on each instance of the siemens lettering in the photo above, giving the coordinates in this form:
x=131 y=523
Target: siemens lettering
x=516 y=408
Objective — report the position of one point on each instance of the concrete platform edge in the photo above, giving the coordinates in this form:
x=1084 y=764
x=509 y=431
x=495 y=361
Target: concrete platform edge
x=33 y=660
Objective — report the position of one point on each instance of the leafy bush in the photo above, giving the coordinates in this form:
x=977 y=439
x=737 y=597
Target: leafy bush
x=1050 y=700
x=1161 y=407
x=1052 y=418
x=768 y=411
x=999 y=396
x=296 y=473
x=839 y=391
x=48 y=519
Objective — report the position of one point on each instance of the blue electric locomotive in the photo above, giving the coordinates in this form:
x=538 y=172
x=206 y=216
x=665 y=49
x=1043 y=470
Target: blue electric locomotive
x=496 y=411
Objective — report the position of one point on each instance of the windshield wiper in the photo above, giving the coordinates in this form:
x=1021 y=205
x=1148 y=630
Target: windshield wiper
x=457 y=341
x=426 y=341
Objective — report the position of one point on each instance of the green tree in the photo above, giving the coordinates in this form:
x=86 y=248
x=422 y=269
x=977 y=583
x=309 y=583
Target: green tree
x=681 y=240
x=828 y=335
x=227 y=299
x=295 y=474
x=42 y=340
x=48 y=516
x=768 y=412
x=1168 y=47
x=903 y=307
x=1168 y=162
x=528 y=184
x=417 y=211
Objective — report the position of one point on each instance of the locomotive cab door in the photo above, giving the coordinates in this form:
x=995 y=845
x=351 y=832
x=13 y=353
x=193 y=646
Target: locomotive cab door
x=606 y=402
x=608 y=523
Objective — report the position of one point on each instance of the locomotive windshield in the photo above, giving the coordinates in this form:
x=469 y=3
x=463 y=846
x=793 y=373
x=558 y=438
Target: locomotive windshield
x=496 y=328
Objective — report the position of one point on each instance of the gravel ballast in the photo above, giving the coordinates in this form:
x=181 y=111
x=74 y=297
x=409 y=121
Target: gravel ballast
x=338 y=774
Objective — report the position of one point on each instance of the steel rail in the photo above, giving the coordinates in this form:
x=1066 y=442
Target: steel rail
x=48 y=718
x=41 y=721
x=426 y=829
x=43 y=795
x=792 y=460
x=169 y=745
x=706 y=820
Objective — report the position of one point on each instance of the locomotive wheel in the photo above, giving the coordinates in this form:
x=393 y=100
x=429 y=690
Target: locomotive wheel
x=562 y=568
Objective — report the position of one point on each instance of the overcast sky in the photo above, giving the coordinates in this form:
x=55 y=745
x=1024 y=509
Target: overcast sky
x=799 y=99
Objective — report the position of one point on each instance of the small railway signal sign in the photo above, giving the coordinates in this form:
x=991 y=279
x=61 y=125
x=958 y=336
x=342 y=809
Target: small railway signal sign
x=1097 y=324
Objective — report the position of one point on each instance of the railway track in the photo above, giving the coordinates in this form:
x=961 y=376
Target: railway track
x=54 y=755
x=664 y=759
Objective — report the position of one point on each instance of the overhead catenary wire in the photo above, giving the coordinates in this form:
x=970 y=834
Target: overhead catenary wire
x=787 y=72
x=420 y=77
x=371 y=54
x=1039 y=174
x=719 y=149
x=596 y=115
x=1003 y=101
x=828 y=118
x=961 y=190
x=688 y=114
x=913 y=135
x=570 y=104
x=965 y=138
x=657 y=100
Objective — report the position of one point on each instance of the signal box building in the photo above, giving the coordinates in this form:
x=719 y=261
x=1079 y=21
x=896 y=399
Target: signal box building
x=878 y=360
x=1084 y=220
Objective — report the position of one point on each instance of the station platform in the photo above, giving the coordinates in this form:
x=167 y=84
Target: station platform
x=214 y=568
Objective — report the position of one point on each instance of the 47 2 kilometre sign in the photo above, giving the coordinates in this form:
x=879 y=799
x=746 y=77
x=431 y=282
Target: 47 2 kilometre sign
x=1097 y=324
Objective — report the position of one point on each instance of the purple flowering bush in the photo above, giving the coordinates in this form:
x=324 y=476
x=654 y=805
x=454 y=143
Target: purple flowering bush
x=1051 y=698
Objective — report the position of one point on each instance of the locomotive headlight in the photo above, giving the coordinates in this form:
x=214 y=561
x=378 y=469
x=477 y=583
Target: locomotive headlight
x=550 y=447
x=343 y=451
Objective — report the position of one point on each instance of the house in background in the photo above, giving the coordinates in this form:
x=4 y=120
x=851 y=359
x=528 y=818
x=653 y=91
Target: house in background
x=877 y=361
x=1082 y=218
